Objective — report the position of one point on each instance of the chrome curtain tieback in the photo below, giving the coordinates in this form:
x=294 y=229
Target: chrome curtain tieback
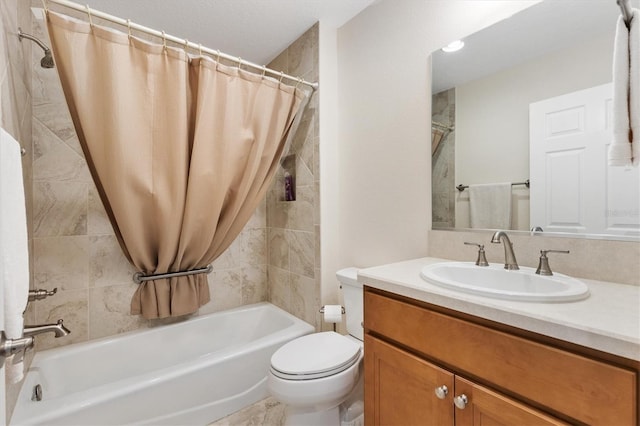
x=139 y=277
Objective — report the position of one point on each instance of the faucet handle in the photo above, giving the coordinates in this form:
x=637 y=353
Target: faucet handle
x=41 y=294
x=9 y=347
x=543 y=265
x=482 y=258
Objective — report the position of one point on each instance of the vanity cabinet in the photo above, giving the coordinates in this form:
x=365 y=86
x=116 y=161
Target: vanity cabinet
x=507 y=377
x=402 y=391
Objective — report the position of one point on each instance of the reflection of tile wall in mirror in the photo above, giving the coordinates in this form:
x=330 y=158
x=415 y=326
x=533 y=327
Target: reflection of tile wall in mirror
x=443 y=161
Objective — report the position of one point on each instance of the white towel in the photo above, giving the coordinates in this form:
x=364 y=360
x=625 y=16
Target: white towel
x=620 y=153
x=634 y=84
x=490 y=205
x=14 y=254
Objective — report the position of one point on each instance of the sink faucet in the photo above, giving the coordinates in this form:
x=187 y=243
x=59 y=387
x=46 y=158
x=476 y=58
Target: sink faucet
x=510 y=261
x=58 y=329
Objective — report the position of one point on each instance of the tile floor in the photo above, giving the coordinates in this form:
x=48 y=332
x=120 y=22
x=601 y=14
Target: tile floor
x=268 y=412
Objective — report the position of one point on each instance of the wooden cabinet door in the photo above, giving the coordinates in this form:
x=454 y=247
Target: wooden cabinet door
x=487 y=408
x=399 y=388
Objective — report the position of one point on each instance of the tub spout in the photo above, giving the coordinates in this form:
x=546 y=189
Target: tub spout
x=58 y=329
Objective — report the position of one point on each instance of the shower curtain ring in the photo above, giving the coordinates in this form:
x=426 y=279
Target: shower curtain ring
x=218 y=56
x=239 y=63
x=45 y=5
x=89 y=14
x=164 y=41
x=186 y=46
x=129 y=27
x=200 y=48
x=264 y=70
x=281 y=76
x=298 y=82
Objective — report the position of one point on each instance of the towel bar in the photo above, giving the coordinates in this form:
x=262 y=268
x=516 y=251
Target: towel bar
x=526 y=183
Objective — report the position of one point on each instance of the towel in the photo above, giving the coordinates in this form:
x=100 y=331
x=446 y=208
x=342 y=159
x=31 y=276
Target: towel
x=620 y=152
x=626 y=93
x=490 y=205
x=634 y=85
x=14 y=254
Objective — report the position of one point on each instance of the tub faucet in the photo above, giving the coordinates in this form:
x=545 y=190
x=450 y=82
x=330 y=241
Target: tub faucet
x=58 y=329
x=509 y=256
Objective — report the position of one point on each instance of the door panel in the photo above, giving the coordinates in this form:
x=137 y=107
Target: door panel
x=488 y=408
x=400 y=388
x=572 y=187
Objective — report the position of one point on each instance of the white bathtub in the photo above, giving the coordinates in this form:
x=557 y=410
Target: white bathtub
x=190 y=373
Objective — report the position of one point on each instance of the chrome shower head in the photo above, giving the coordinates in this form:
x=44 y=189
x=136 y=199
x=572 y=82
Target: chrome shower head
x=47 y=60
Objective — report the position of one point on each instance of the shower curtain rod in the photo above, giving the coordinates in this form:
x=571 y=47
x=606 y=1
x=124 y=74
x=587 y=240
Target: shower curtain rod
x=185 y=43
x=625 y=7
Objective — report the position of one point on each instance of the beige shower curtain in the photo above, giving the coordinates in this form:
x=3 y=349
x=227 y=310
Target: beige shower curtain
x=181 y=150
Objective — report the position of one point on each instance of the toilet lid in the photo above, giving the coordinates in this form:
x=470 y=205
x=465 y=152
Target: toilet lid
x=314 y=356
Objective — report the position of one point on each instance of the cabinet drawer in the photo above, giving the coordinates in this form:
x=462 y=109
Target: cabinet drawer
x=585 y=389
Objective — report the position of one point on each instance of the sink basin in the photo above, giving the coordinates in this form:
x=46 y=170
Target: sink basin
x=496 y=282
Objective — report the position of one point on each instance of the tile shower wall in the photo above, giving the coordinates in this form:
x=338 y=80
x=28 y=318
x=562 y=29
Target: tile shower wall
x=15 y=110
x=294 y=226
x=75 y=248
x=443 y=162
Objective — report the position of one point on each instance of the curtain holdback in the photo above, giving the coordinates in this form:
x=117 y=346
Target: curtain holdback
x=139 y=277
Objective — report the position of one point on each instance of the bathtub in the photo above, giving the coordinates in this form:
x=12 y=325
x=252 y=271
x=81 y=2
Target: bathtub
x=189 y=373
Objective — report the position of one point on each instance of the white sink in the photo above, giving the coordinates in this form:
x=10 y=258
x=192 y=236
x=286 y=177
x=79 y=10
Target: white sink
x=496 y=282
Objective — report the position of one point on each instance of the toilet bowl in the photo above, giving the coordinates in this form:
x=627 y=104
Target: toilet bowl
x=314 y=374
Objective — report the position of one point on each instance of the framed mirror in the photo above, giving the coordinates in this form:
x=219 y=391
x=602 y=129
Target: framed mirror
x=515 y=106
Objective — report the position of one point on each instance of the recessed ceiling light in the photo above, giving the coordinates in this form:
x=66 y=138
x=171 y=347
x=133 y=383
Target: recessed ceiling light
x=454 y=46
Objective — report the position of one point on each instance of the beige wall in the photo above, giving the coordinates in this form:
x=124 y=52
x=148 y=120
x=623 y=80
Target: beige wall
x=496 y=109
x=384 y=128
x=329 y=163
x=294 y=226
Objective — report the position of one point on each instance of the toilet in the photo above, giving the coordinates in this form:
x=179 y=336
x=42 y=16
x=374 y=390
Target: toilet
x=314 y=375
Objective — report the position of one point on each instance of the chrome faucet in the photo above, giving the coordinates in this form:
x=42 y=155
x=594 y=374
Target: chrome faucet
x=510 y=261
x=58 y=329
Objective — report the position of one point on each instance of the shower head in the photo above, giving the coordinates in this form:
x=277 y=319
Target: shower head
x=47 y=60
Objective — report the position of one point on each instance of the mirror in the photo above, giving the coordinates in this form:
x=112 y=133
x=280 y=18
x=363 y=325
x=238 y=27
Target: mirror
x=510 y=84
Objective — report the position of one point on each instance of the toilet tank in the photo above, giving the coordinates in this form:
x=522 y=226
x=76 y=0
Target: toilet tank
x=352 y=292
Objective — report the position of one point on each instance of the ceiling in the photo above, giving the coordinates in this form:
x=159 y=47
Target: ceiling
x=255 y=30
x=543 y=28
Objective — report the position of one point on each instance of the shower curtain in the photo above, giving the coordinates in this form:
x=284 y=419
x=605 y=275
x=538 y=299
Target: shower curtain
x=181 y=150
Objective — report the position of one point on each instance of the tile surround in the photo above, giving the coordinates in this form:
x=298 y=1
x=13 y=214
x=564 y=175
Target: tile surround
x=16 y=118
x=293 y=240
x=61 y=262
x=75 y=248
x=60 y=208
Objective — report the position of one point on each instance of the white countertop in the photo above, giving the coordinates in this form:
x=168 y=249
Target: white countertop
x=609 y=320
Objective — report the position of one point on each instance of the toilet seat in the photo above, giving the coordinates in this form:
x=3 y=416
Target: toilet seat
x=315 y=356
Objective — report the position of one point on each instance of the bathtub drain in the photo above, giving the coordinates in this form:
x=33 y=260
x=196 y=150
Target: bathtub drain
x=37 y=393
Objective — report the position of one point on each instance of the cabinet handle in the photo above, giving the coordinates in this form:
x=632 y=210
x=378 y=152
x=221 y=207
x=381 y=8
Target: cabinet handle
x=461 y=401
x=442 y=391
